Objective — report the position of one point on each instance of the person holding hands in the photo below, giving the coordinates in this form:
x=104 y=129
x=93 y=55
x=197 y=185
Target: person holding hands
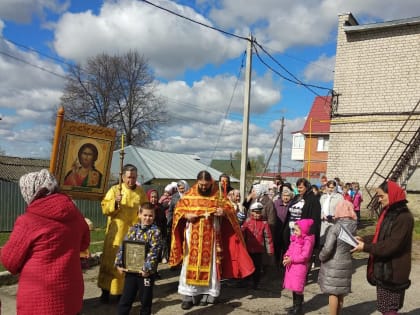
x=389 y=263
x=146 y=232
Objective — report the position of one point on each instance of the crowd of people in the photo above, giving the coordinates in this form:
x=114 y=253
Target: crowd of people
x=207 y=235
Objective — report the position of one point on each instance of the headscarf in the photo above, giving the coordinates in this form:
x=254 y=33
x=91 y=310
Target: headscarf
x=185 y=184
x=36 y=185
x=395 y=194
x=345 y=209
x=149 y=194
x=260 y=190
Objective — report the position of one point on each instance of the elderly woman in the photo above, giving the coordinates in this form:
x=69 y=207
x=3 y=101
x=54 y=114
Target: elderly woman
x=282 y=208
x=44 y=248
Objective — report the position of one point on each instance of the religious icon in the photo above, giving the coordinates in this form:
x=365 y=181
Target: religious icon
x=134 y=254
x=84 y=160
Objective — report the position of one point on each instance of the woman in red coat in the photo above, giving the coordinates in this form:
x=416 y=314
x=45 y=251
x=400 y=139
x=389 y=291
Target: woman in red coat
x=44 y=248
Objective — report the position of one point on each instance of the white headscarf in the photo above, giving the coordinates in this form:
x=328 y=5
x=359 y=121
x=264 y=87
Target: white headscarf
x=37 y=184
x=186 y=186
x=260 y=190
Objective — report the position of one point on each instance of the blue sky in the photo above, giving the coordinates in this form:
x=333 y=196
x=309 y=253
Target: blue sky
x=196 y=68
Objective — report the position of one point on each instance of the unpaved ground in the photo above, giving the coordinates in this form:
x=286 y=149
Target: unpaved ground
x=269 y=299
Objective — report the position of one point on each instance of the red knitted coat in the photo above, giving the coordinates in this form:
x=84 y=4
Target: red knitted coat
x=44 y=248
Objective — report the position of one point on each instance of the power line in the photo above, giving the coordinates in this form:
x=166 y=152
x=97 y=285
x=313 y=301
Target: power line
x=194 y=21
x=36 y=51
x=31 y=64
x=296 y=80
x=230 y=102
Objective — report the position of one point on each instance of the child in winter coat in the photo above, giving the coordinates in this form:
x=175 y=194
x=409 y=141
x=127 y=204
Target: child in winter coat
x=357 y=200
x=142 y=280
x=336 y=263
x=296 y=261
x=258 y=239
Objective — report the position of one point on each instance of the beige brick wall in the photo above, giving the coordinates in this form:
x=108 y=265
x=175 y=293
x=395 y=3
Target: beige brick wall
x=376 y=71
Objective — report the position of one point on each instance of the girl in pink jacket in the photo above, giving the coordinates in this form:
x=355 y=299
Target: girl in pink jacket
x=296 y=261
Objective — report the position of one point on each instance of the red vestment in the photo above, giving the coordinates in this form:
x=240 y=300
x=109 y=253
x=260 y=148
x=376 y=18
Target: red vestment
x=232 y=259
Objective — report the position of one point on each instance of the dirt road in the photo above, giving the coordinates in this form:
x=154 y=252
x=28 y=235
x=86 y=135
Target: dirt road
x=269 y=299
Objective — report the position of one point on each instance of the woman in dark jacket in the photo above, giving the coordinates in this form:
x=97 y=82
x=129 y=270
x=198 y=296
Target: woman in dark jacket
x=304 y=205
x=389 y=262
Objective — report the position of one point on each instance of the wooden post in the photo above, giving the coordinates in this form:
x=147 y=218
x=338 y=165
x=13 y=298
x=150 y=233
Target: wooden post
x=56 y=140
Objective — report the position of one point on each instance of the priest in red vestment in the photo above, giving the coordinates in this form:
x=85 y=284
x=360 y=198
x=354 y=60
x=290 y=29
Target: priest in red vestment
x=207 y=240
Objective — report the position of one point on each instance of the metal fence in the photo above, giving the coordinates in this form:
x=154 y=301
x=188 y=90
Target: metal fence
x=12 y=205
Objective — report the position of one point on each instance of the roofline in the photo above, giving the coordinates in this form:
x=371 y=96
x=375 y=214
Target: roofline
x=381 y=25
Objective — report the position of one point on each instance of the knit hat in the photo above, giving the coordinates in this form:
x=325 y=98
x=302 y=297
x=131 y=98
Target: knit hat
x=344 y=209
x=37 y=184
x=305 y=225
x=256 y=207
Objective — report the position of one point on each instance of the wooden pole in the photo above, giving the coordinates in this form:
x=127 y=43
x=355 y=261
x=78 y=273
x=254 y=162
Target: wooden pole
x=56 y=140
x=120 y=180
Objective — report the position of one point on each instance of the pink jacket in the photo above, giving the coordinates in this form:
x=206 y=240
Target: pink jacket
x=357 y=200
x=257 y=236
x=300 y=251
x=44 y=248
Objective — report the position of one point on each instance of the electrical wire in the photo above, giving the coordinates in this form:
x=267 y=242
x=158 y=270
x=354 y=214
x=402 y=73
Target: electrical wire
x=31 y=64
x=36 y=51
x=230 y=103
x=194 y=21
x=296 y=80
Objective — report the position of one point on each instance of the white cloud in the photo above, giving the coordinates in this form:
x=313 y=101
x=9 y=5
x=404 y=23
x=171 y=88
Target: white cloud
x=281 y=24
x=321 y=70
x=207 y=100
x=171 y=44
x=28 y=98
x=22 y=11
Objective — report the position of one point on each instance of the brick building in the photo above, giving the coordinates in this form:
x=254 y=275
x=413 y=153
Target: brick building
x=377 y=95
x=310 y=145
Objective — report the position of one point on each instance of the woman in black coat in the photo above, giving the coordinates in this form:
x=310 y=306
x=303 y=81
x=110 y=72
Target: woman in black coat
x=304 y=205
x=389 y=263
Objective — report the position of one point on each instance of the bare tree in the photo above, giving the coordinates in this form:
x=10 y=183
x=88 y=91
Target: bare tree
x=118 y=92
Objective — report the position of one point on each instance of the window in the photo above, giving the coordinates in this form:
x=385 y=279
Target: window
x=322 y=144
x=298 y=141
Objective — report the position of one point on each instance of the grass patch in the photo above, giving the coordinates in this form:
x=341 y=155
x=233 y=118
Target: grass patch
x=416 y=234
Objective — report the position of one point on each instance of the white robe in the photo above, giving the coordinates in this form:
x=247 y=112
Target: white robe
x=192 y=290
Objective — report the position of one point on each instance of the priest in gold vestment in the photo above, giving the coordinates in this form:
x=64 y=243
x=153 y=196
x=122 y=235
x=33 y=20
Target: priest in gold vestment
x=207 y=240
x=121 y=210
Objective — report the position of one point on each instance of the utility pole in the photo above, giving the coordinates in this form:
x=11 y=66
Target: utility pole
x=281 y=145
x=245 y=123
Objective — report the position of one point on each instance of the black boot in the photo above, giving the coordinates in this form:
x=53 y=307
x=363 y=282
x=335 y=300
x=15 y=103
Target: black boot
x=297 y=305
x=104 y=297
x=291 y=308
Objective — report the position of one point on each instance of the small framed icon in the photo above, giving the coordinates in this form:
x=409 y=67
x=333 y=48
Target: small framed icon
x=134 y=254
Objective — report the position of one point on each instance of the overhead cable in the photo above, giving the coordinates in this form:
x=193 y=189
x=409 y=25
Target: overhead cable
x=195 y=21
